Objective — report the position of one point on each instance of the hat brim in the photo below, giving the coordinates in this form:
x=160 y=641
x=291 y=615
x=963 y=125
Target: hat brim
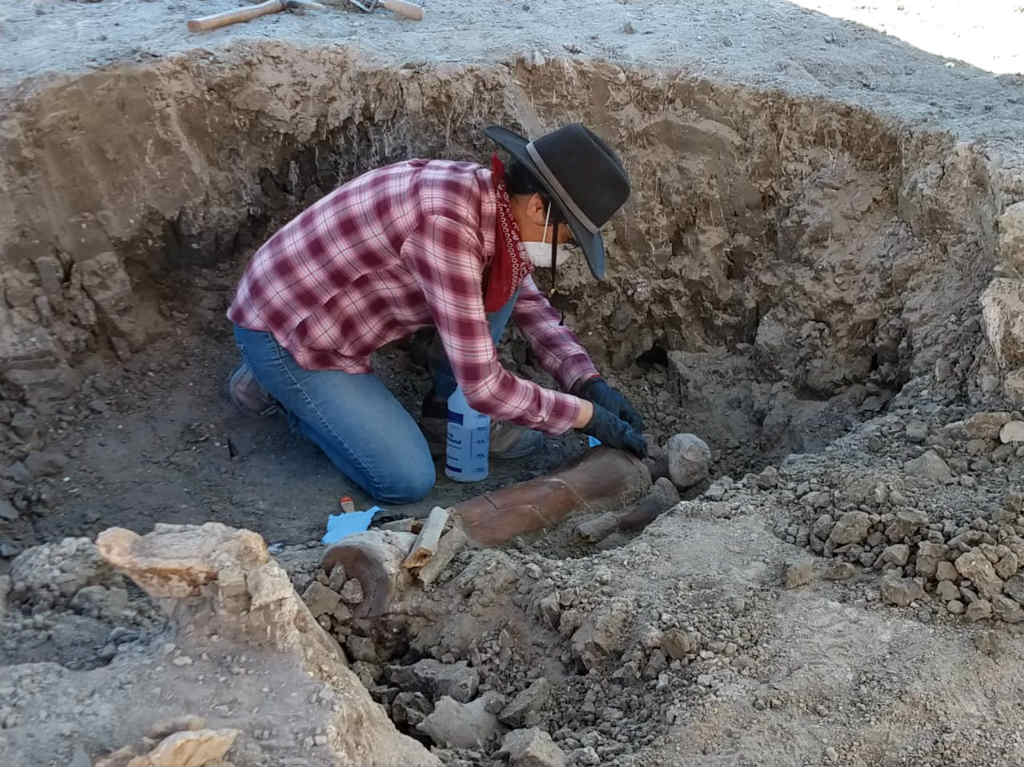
x=591 y=243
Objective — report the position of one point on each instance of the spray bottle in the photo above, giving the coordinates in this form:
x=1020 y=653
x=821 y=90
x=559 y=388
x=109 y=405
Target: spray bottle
x=469 y=438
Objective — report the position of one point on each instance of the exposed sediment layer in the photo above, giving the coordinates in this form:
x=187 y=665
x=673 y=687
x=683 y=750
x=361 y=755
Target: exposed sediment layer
x=811 y=242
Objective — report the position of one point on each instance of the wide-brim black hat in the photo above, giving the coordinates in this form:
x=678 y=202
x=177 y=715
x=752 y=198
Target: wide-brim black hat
x=582 y=174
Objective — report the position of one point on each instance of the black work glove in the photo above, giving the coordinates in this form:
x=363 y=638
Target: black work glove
x=600 y=393
x=615 y=432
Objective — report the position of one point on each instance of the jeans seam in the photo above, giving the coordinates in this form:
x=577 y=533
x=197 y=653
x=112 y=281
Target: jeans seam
x=375 y=486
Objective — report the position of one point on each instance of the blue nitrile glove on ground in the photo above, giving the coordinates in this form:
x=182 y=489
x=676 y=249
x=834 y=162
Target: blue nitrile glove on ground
x=600 y=393
x=615 y=432
x=343 y=525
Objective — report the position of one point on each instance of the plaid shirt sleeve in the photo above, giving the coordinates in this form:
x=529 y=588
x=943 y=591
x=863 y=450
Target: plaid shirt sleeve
x=447 y=259
x=557 y=348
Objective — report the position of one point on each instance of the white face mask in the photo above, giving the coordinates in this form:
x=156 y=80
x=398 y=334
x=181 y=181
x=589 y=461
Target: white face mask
x=539 y=253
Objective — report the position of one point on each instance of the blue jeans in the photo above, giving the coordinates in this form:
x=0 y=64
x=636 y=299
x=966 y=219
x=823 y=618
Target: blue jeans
x=354 y=418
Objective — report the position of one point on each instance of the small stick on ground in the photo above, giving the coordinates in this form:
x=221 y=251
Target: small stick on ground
x=451 y=543
x=426 y=544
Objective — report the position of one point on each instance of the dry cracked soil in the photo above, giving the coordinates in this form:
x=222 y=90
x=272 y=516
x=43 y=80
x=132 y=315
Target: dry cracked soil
x=819 y=273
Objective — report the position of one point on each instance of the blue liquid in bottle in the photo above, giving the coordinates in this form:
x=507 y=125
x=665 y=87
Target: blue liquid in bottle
x=469 y=440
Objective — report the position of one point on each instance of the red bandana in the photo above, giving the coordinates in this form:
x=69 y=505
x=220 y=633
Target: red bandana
x=508 y=268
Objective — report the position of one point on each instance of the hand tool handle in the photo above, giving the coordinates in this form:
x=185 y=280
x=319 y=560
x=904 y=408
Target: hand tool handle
x=402 y=8
x=233 y=17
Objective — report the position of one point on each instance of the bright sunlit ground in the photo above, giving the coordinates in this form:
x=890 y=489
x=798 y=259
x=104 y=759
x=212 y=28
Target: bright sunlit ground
x=988 y=34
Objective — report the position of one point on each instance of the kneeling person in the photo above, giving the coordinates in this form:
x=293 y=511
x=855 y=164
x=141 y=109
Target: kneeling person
x=421 y=243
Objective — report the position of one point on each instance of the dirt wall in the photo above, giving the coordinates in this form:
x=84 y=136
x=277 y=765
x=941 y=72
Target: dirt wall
x=820 y=244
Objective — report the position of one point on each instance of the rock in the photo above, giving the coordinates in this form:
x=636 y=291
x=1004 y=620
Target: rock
x=336 y=580
x=947 y=591
x=1011 y=235
x=1012 y=431
x=955 y=606
x=978 y=447
x=930 y=466
x=105 y=280
x=524 y=710
x=175 y=561
x=119 y=758
x=5 y=588
x=47 y=464
x=164 y=727
x=602 y=632
x=410 y=708
x=319 y=599
x=100 y=602
x=839 y=570
x=1006 y=609
x=900 y=591
x=897 y=555
x=716 y=492
x=817 y=499
x=531 y=748
x=852 y=527
x=928 y=557
x=946 y=571
x=368 y=673
x=585 y=756
x=435 y=679
x=986 y=425
x=549 y=609
x=799 y=574
x=59 y=569
x=907 y=523
x=217 y=580
x=689 y=460
x=193 y=748
x=975 y=566
x=1014 y=588
x=822 y=526
x=979 y=609
x=461 y=725
x=917 y=431
x=768 y=478
x=352 y=592
x=678 y=644
x=1013 y=386
x=1007 y=565
x=361 y=648
x=7 y=511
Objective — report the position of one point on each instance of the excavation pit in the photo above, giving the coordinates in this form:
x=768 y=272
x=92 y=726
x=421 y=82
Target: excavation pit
x=784 y=265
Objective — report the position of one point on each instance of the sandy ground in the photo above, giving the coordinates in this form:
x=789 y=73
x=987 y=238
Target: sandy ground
x=985 y=35
x=810 y=50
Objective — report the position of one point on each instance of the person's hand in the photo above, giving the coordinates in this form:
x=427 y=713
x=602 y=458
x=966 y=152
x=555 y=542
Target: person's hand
x=615 y=432
x=600 y=393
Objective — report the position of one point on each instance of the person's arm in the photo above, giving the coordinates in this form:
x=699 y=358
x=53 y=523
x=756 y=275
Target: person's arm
x=445 y=257
x=556 y=347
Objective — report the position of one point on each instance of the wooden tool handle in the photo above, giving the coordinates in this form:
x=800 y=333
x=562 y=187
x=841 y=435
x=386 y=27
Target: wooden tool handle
x=239 y=14
x=404 y=9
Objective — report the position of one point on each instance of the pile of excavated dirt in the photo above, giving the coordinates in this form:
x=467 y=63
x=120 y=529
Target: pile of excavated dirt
x=819 y=272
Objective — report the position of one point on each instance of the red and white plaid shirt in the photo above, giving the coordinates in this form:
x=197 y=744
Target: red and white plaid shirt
x=394 y=250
